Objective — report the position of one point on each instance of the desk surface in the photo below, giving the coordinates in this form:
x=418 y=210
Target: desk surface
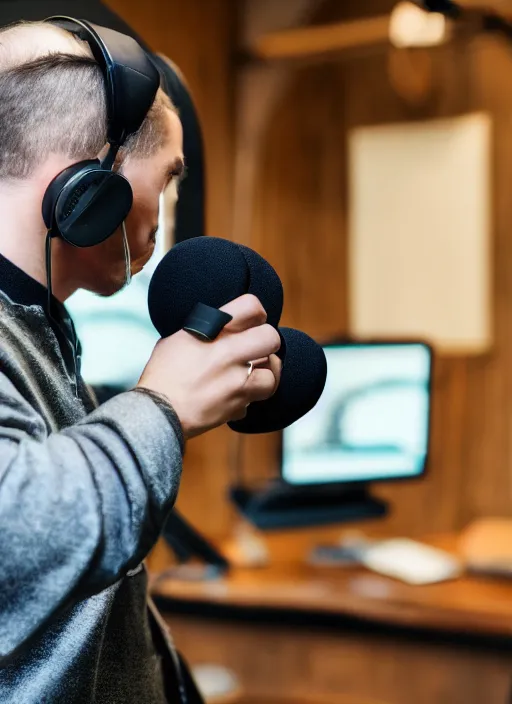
x=470 y=605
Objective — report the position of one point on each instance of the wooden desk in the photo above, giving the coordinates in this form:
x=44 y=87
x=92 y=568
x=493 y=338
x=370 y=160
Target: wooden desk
x=293 y=628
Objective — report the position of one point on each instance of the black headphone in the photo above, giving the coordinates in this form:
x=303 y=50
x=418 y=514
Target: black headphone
x=87 y=202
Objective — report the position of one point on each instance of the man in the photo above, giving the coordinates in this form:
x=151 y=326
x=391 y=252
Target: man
x=184 y=217
x=84 y=491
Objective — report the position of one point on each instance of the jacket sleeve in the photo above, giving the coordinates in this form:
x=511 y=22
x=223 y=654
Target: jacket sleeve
x=81 y=507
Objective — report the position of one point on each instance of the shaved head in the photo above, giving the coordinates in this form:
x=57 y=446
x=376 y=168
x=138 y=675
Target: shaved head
x=52 y=101
x=28 y=41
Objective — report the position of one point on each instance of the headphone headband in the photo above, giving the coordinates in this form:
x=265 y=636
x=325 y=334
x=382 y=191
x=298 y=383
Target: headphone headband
x=131 y=78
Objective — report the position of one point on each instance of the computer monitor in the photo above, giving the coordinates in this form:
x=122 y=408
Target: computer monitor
x=372 y=421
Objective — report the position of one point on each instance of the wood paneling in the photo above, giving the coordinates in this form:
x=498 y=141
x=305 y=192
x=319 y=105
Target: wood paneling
x=300 y=226
x=198 y=36
x=340 y=664
x=321 y=41
x=258 y=88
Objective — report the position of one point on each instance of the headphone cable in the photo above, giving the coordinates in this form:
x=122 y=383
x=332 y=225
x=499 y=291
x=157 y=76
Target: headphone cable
x=48 y=253
x=127 y=257
x=72 y=344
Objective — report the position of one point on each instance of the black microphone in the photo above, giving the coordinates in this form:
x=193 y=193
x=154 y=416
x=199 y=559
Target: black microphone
x=214 y=271
x=302 y=383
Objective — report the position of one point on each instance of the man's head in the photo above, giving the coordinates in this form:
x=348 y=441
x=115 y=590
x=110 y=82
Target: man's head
x=53 y=114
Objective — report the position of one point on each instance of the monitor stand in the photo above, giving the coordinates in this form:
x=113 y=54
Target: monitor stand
x=199 y=559
x=281 y=505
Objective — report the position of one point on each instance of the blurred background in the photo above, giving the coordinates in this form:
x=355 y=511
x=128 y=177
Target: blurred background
x=364 y=148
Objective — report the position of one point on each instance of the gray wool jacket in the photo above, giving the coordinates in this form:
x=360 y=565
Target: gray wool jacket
x=84 y=493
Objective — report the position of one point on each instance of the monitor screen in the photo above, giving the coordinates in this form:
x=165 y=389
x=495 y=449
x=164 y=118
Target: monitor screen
x=372 y=421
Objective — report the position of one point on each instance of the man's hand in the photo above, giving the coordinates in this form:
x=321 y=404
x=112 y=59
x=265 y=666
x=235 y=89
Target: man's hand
x=207 y=383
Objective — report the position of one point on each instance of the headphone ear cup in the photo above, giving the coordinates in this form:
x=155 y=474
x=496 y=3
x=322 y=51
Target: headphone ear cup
x=89 y=203
x=55 y=187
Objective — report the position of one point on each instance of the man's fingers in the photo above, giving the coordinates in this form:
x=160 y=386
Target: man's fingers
x=247 y=338
x=252 y=344
x=276 y=367
x=274 y=364
x=247 y=313
x=261 y=385
x=239 y=415
x=261 y=362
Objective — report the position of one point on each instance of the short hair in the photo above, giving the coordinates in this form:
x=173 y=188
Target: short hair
x=56 y=103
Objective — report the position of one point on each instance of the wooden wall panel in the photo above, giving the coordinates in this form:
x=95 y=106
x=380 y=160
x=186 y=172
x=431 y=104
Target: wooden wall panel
x=344 y=666
x=198 y=36
x=299 y=218
x=300 y=226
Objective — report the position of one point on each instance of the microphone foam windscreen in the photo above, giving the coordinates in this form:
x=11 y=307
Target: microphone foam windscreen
x=212 y=271
x=264 y=284
x=302 y=383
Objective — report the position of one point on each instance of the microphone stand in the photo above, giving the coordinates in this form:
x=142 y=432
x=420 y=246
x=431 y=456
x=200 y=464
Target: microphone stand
x=187 y=543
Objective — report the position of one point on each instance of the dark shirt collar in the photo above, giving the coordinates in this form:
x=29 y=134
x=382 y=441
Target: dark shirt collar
x=26 y=291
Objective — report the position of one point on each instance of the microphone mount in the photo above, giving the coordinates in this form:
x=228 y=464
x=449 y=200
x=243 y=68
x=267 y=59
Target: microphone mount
x=485 y=21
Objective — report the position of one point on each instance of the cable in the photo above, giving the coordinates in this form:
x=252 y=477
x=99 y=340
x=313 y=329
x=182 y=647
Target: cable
x=162 y=634
x=48 y=257
x=127 y=257
x=72 y=344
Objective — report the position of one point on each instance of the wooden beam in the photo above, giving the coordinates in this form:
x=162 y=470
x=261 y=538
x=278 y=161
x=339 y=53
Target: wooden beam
x=260 y=16
x=321 y=40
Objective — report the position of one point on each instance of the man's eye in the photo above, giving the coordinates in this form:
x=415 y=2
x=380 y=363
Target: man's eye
x=177 y=175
